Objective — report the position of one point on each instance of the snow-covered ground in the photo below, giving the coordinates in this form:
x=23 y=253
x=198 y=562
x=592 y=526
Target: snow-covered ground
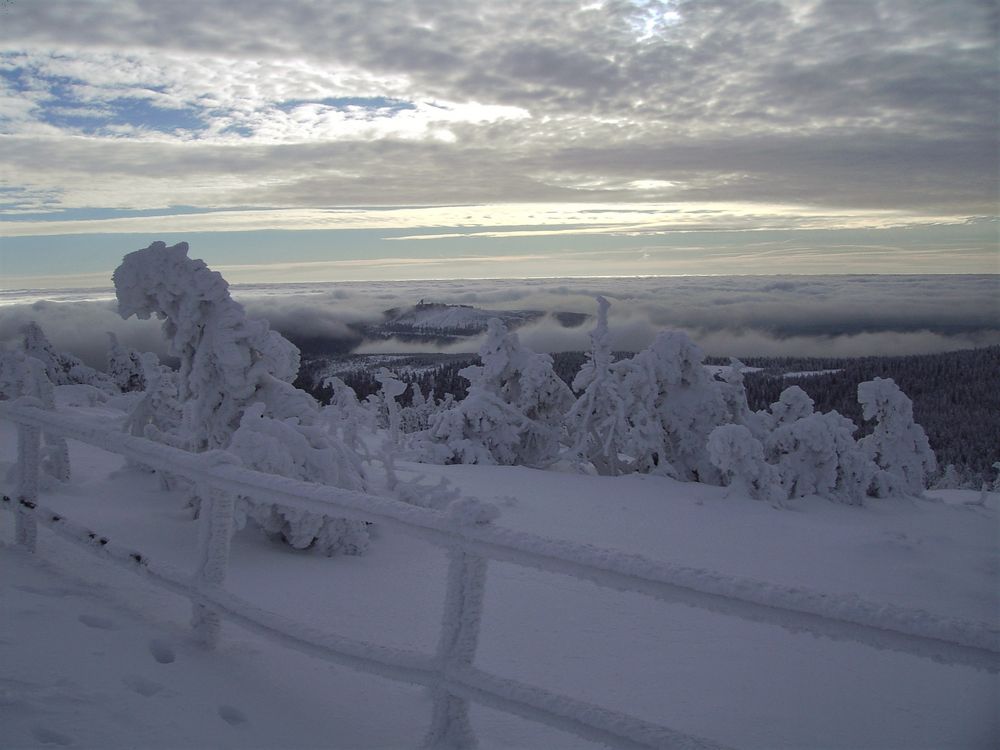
x=94 y=656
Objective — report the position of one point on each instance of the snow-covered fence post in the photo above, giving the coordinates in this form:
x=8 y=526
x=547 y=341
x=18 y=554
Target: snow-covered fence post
x=28 y=460
x=217 y=508
x=463 y=610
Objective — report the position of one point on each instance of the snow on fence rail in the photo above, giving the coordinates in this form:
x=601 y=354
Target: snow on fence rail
x=450 y=671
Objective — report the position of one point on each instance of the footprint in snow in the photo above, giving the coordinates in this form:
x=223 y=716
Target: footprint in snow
x=50 y=736
x=232 y=716
x=141 y=685
x=162 y=651
x=100 y=623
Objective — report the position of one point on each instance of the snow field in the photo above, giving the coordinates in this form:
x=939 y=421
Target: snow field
x=673 y=664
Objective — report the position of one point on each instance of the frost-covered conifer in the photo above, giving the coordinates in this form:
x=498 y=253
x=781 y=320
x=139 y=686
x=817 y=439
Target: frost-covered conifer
x=950 y=479
x=392 y=388
x=346 y=417
x=157 y=415
x=125 y=367
x=229 y=365
x=673 y=404
x=793 y=404
x=597 y=422
x=734 y=450
x=417 y=416
x=23 y=375
x=290 y=449
x=734 y=394
x=513 y=413
x=227 y=360
x=897 y=445
x=62 y=368
x=817 y=455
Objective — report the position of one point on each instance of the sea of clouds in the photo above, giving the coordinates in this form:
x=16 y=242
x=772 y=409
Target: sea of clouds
x=727 y=315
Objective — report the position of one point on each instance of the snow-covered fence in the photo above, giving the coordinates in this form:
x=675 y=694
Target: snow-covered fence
x=465 y=532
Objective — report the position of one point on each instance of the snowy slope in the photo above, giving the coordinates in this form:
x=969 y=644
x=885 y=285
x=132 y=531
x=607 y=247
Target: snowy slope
x=86 y=648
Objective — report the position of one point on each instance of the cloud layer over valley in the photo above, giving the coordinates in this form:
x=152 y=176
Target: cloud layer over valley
x=727 y=315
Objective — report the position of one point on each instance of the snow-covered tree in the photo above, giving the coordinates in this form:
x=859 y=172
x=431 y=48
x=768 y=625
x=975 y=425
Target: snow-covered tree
x=793 y=404
x=125 y=366
x=157 y=414
x=290 y=449
x=597 y=423
x=231 y=365
x=227 y=360
x=817 y=455
x=897 y=445
x=734 y=394
x=23 y=375
x=417 y=416
x=392 y=388
x=62 y=368
x=673 y=404
x=734 y=450
x=513 y=413
x=346 y=418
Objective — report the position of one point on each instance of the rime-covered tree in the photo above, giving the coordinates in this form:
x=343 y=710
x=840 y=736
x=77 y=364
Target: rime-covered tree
x=392 y=388
x=23 y=375
x=291 y=449
x=793 y=404
x=734 y=394
x=227 y=360
x=597 y=423
x=673 y=404
x=734 y=450
x=62 y=368
x=125 y=367
x=817 y=455
x=513 y=412
x=228 y=364
x=897 y=445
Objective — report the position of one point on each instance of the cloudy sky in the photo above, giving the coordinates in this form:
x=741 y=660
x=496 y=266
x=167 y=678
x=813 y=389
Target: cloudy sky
x=309 y=140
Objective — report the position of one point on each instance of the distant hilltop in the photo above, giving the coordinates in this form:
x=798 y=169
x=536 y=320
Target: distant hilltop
x=439 y=320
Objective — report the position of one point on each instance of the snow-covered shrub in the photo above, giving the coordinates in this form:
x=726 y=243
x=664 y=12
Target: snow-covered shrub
x=60 y=367
x=734 y=450
x=597 y=423
x=898 y=445
x=513 y=413
x=673 y=404
x=817 y=455
x=290 y=449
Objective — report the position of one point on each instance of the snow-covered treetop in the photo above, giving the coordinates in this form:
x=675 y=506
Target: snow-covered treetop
x=882 y=400
x=188 y=296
